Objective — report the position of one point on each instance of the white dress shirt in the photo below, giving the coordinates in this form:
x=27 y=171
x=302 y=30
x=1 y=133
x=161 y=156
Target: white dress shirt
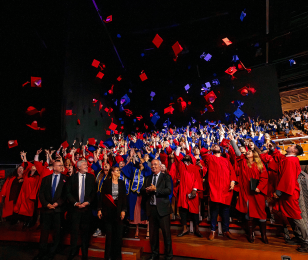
x=80 y=176
x=58 y=179
x=154 y=202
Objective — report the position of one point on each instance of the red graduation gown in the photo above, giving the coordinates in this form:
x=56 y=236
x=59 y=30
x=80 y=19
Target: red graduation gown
x=28 y=194
x=8 y=206
x=288 y=171
x=189 y=179
x=174 y=173
x=220 y=174
x=272 y=173
x=255 y=200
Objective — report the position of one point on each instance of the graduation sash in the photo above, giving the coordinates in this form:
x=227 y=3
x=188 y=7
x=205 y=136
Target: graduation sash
x=137 y=181
x=127 y=182
x=100 y=182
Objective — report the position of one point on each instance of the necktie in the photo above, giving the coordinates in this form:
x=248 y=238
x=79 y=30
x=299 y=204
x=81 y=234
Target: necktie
x=152 y=201
x=54 y=186
x=82 y=190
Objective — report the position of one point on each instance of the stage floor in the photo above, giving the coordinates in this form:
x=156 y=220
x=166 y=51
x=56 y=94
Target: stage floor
x=187 y=246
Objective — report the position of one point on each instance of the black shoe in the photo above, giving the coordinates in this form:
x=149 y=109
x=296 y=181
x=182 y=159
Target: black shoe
x=183 y=234
x=303 y=248
x=293 y=241
x=198 y=234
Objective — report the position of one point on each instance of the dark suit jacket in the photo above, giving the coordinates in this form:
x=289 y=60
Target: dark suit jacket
x=72 y=191
x=122 y=199
x=59 y=196
x=163 y=190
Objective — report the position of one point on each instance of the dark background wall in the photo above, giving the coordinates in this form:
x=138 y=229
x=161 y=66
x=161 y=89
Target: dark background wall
x=57 y=40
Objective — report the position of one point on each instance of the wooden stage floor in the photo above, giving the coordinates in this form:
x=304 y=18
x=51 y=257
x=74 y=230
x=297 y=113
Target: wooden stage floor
x=187 y=246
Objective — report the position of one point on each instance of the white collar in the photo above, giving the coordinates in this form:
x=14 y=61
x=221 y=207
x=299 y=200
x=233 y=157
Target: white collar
x=290 y=155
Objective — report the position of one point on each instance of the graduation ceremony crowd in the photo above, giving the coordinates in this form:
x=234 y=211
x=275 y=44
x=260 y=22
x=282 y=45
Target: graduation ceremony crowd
x=234 y=171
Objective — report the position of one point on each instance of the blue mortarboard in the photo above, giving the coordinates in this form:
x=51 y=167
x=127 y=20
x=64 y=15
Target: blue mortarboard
x=139 y=144
x=116 y=102
x=243 y=14
x=292 y=62
x=212 y=123
x=206 y=57
x=119 y=35
x=189 y=123
x=238 y=103
x=201 y=126
x=134 y=120
x=155 y=117
x=187 y=87
x=92 y=148
x=227 y=115
x=122 y=122
x=215 y=82
x=235 y=58
x=109 y=143
x=130 y=91
x=152 y=95
x=238 y=113
x=193 y=120
x=125 y=100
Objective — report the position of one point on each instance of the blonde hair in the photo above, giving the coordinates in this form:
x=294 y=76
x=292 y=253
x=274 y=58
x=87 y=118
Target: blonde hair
x=256 y=160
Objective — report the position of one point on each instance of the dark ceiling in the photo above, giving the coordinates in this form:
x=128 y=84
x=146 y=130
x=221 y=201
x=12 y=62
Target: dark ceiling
x=34 y=42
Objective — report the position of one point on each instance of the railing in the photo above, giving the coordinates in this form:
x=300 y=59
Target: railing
x=290 y=139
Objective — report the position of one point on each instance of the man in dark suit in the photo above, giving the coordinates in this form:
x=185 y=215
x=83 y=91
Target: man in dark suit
x=52 y=197
x=81 y=192
x=157 y=188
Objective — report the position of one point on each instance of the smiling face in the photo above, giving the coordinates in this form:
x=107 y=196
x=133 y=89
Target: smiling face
x=83 y=167
x=20 y=171
x=115 y=172
x=249 y=154
x=155 y=166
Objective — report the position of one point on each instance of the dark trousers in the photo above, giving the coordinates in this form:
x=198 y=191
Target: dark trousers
x=156 y=222
x=48 y=221
x=184 y=214
x=224 y=211
x=80 y=221
x=114 y=231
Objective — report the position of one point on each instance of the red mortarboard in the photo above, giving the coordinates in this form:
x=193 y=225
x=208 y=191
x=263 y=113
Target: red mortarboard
x=240 y=67
x=35 y=127
x=108 y=19
x=251 y=90
x=12 y=143
x=31 y=111
x=189 y=103
x=139 y=117
x=100 y=75
x=182 y=103
x=78 y=121
x=36 y=82
x=128 y=112
x=65 y=144
x=171 y=131
x=101 y=144
x=177 y=48
x=95 y=63
x=113 y=126
x=143 y=76
x=210 y=108
x=157 y=40
x=146 y=127
x=243 y=91
x=108 y=110
x=225 y=142
x=119 y=78
x=227 y=41
x=69 y=112
x=210 y=97
x=110 y=91
x=108 y=132
x=91 y=141
x=100 y=106
x=25 y=83
x=122 y=127
x=231 y=70
x=2 y=174
x=168 y=110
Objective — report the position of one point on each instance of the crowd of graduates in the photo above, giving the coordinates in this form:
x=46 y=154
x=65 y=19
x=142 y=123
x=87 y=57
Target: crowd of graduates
x=236 y=170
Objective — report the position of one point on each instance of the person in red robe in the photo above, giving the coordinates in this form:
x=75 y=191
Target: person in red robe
x=288 y=191
x=10 y=192
x=252 y=202
x=174 y=173
x=190 y=183
x=221 y=178
x=26 y=202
